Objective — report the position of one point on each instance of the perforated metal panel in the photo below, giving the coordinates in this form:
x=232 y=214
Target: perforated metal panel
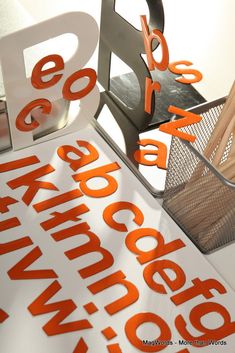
x=197 y=196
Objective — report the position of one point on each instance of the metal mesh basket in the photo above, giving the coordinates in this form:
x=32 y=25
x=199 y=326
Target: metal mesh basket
x=197 y=196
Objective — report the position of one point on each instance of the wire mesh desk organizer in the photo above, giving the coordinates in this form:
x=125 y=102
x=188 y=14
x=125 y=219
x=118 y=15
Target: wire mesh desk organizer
x=200 y=185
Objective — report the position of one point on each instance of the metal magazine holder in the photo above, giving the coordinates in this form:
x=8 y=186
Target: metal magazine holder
x=124 y=95
x=127 y=43
x=197 y=196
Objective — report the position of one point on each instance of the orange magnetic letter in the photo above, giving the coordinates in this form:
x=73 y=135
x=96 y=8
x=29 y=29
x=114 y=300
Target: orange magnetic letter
x=38 y=72
x=81 y=347
x=136 y=321
x=62 y=217
x=34 y=185
x=64 y=152
x=117 y=278
x=9 y=223
x=5 y=202
x=63 y=310
x=150 y=87
x=148 y=39
x=177 y=70
x=91 y=246
x=37 y=103
x=69 y=95
x=160 y=250
x=159 y=267
x=18 y=271
x=3 y=316
x=114 y=348
x=18 y=163
x=100 y=172
x=119 y=206
x=199 y=288
x=161 y=153
x=172 y=126
x=57 y=200
x=15 y=245
x=196 y=315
